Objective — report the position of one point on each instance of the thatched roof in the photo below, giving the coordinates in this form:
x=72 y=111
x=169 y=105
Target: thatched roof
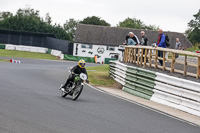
x=114 y=36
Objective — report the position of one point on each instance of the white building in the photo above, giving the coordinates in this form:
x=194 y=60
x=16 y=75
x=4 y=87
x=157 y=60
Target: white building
x=89 y=42
x=102 y=51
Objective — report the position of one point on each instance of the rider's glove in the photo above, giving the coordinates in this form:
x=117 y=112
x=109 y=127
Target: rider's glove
x=87 y=81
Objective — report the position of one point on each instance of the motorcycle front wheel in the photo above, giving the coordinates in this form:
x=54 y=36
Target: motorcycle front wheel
x=77 y=92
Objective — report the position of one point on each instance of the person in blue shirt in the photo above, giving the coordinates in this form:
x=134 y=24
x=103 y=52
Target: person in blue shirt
x=131 y=42
x=130 y=39
x=161 y=43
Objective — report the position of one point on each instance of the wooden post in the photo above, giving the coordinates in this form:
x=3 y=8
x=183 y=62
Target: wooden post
x=198 y=67
x=131 y=59
x=156 y=59
x=141 y=57
x=125 y=54
x=163 y=60
x=185 y=66
x=135 y=52
x=150 y=56
x=128 y=54
x=173 y=62
x=138 y=57
x=145 y=57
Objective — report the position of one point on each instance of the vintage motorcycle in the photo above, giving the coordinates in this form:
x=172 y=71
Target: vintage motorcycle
x=74 y=88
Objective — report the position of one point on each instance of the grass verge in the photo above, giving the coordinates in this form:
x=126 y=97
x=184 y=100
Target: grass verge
x=99 y=76
x=24 y=54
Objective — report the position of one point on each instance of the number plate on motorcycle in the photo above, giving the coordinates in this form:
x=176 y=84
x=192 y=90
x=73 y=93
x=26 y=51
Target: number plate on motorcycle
x=83 y=76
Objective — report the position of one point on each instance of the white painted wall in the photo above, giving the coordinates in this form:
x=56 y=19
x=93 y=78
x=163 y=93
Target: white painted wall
x=85 y=52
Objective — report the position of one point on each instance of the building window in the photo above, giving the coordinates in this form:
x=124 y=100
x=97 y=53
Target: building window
x=83 y=46
x=110 y=48
x=86 y=46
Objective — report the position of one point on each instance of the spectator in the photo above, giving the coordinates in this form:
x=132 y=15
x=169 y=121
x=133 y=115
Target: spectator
x=161 y=43
x=177 y=46
x=95 y=58
x=144 y=40
x=134 y=37
x=131 y=41
x=126 y=39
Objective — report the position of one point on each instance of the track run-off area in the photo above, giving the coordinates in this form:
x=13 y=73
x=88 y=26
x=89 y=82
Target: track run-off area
x=30 y=102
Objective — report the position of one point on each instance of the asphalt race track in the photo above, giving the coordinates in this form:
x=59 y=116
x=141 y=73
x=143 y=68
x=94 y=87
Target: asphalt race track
x=30 y=102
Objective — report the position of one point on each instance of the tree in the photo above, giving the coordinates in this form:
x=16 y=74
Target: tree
x=70 y=27
x=152 y=27
x=48 y=19
x=132 y=23
x=4 y=15
x=136 y=24
x=94 y=21
x=193 y=32
x=28 y=12
x=29 y=20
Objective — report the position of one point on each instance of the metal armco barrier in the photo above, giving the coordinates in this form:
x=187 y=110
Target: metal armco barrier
x=136 y=81
x=161 y=88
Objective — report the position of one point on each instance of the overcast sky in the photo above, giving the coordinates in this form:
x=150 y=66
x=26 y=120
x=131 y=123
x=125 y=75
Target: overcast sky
x=170 y=15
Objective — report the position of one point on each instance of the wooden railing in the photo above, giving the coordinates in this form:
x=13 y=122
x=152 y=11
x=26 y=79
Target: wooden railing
x=133 y=54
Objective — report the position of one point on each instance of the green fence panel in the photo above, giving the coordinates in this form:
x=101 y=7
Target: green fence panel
x=77 y=58
x=131 y=71
x=107 y=60
x=2 y=46
x=146 y=82
x=146 y=73
x=49 y=51
x=136 y=93
x=131 y=75
x=140 y=89
x=138 y=85
x=131 y=78
x=140 y=80
x=131 y=67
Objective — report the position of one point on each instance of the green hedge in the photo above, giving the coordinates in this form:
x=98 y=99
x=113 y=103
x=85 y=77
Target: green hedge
x=77 y=58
